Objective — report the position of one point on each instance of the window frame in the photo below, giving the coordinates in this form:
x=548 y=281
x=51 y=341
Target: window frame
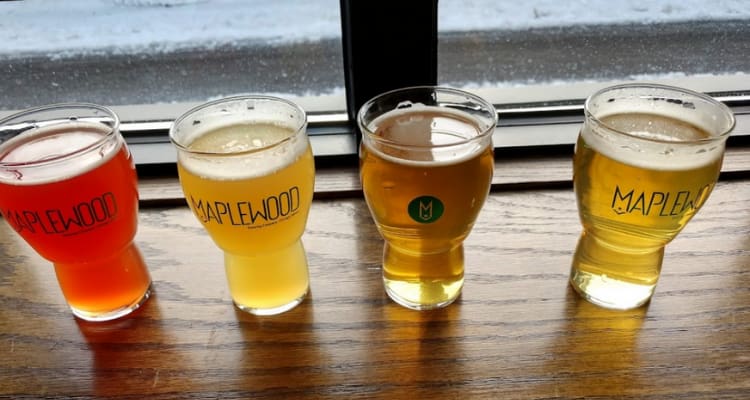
x=523 y=122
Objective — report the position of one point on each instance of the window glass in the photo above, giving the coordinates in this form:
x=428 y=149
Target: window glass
x=168 y=52
x=540 y=50
x=134 y=54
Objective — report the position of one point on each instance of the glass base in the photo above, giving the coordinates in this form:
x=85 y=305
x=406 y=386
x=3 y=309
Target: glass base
x=614 y=277
x=610 y=293
x=105 y=289
x=110 y=315
x=269 y=283
x=272 y=310
x=422 y=290
x=423 y=281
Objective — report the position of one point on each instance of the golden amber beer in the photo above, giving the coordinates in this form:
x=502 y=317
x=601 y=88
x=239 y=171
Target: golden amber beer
x=247 y=171
x=68 y=187
x=646 y=160
x=426 y=164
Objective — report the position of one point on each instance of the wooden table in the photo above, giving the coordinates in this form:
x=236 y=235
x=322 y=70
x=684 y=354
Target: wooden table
x=517 y=331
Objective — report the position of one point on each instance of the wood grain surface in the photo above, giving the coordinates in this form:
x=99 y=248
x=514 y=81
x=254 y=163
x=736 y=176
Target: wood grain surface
x=517 y=331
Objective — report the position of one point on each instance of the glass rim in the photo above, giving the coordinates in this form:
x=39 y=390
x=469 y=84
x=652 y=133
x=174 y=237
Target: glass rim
x=225 y=100
x=111 y=130
x=723 y=108
x=427 y=88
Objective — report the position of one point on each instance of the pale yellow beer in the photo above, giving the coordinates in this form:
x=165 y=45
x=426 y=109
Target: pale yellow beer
x=425 y=172
x=250 y=183
x=640 y=174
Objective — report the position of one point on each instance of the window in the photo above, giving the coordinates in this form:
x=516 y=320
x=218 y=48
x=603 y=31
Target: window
x=541 y=50
x=536 y=60
x=128 y=53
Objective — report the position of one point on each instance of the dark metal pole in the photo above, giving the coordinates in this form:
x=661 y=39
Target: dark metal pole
x=388 y=44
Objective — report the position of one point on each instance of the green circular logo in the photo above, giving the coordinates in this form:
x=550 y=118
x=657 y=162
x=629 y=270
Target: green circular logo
x=426 y=209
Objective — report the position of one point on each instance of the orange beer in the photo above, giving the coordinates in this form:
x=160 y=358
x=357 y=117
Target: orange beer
x=69 y=189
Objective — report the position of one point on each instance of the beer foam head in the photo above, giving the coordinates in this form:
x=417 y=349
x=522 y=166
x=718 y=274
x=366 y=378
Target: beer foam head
x=423 y=134
x=656 y=126
x=651 y=141
x=56 y=152
x=241 y=150
x=240 y=137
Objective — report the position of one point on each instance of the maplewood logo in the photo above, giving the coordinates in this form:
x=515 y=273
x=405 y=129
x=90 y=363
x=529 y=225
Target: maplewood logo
x=664 y=204
x=269 y=209
x=426 y=209
x=77 y=218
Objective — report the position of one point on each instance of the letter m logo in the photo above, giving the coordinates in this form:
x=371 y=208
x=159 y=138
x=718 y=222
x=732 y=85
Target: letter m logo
x=425 y=209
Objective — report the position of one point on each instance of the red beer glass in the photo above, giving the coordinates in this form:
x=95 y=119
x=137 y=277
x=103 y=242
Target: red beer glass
x=68 y=186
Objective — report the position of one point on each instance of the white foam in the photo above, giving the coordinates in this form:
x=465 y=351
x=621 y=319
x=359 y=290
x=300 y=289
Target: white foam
x=248 y=163
x=46 y=148
x=416 y=139
x=649 y=153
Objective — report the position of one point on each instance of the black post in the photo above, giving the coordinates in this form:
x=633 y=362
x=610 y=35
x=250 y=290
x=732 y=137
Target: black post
x=388 y=44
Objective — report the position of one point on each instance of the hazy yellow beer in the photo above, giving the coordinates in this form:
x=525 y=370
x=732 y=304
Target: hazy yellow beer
x=247 y=171
x=646 y=160
x=426 y=165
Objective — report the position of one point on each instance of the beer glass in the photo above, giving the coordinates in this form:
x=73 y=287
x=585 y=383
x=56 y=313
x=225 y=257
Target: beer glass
x=68 y=187
x=646 y=160
x=426 y=164
x=247 y=172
